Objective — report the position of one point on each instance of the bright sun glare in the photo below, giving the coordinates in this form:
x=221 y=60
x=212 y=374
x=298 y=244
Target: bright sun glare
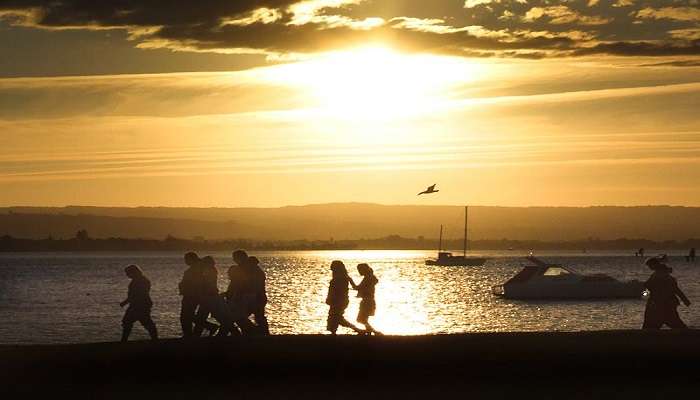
x=376 y=82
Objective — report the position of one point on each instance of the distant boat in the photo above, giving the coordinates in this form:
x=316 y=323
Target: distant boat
x=543 y=281
x=446 y=258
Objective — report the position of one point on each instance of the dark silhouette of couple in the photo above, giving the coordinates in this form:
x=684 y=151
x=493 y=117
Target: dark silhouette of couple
x=338 y=298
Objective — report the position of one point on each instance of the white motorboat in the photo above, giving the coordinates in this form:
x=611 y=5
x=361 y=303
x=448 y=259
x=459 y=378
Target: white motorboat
x=541 y=280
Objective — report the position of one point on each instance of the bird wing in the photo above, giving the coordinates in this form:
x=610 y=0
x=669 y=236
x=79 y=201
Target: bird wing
x=431 y=188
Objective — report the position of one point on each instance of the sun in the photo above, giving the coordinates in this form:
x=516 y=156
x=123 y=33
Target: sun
x=376 y=82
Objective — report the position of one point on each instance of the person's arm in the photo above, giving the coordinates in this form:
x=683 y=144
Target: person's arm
x=129 y=295
x=352 y=283
x=329 y=296
x=681 y=295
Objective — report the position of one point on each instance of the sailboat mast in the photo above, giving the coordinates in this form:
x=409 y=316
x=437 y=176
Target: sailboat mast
x=440 y=243
x=466 y=213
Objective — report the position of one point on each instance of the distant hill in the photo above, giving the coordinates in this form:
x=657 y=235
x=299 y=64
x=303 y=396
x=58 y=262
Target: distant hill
x=356 y=221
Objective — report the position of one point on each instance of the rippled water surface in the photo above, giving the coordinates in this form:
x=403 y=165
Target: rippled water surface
x=74 y=297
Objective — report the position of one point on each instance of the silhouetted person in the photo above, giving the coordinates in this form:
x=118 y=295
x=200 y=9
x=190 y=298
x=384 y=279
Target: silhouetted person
x=258 y=294
x=190 y=290
x=365 y=291
x=238 y=294
x=662 y=305
x=209 y=297
x=338 y=299
x=140 y=304
x=691 y=255
x=640 y=252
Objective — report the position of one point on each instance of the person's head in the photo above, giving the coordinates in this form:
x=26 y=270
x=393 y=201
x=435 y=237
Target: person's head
x=657 y=264
x=133 y=271
x=364 y=269
x=240 y=256
x=338 y=269
x=208 y=261
x=191 y=258
x=253 y=261
x=652 y=263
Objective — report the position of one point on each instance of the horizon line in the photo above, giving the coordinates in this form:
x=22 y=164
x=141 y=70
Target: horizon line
x=350 y=203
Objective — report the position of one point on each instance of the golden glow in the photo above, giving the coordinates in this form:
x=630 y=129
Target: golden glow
x=373 y=83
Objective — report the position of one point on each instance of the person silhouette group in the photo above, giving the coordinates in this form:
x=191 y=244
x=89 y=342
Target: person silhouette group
x=232 y=309
x=240 y=310
x=338 y=298
x=244 y=298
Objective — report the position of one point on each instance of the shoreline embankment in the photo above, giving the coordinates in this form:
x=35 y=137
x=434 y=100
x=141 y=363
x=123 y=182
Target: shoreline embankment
x=620 y=364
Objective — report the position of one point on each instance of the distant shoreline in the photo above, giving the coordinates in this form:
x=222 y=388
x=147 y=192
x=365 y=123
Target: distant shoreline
x=83 y=243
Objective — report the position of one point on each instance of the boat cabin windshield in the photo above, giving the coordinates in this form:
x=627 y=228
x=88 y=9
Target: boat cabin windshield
x=556 y=271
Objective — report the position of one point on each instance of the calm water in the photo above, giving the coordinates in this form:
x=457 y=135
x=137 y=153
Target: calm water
x=71 y=297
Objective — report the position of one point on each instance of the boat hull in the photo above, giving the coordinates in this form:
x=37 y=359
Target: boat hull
x=573 y=291
x=458 y=262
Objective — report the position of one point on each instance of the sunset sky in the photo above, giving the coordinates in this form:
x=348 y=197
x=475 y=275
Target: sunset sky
x=278 y=102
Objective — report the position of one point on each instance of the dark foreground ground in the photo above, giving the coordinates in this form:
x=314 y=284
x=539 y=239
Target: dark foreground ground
x=619 y=364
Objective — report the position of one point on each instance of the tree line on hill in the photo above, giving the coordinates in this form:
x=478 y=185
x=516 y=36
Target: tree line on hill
x=83 y=242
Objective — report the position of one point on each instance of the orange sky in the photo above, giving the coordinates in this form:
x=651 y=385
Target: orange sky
x=370 y=121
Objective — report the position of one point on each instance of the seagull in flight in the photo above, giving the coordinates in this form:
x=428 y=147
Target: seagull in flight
x=429 y=190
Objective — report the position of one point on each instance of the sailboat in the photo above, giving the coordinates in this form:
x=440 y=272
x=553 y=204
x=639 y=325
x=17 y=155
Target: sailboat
x=446 y=258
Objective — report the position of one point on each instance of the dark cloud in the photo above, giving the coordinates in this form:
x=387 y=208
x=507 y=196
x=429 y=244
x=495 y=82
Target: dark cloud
x=141 y=13
x=509 y=28
x=674 y=63
x=643 y=49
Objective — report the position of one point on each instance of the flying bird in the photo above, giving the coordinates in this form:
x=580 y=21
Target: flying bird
x=429 y=190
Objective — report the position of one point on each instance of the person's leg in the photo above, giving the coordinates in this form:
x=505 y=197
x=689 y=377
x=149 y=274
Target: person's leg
x=652 y=318
x=674 y=321
x=246 y=326
x=344 y=322
x=261 y=320
x=369 y=328
x=187 y=312
x=127 y=324
x=332 y=322
x=126 y=331
x=200 y=319
x=150 y=326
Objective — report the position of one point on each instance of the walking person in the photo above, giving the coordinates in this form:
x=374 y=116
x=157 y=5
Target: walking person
x=691 y=255
x=238 y=294
x=209 y=298
x=139 y=301
x=258 y=299
x=190 y=290
x=365 y=291
x=662 y=305
x=338 y=299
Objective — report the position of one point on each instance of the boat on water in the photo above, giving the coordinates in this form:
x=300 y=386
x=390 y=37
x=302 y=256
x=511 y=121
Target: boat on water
x=541 y=280
x=445 y=258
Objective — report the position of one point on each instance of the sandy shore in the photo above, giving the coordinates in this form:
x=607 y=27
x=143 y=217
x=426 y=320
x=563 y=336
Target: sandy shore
x=620 y=364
